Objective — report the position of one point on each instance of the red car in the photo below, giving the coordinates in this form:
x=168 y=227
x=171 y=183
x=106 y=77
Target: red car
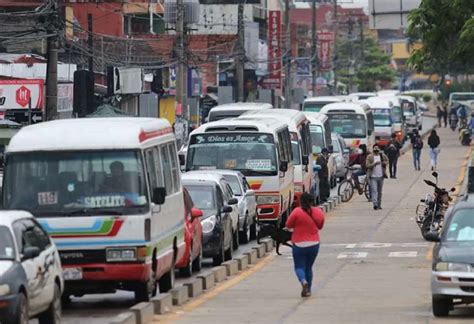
x=192 y=258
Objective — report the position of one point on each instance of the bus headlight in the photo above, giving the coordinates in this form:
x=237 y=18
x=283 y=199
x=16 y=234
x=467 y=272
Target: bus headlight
x=267 y=200
x=208 y=224
x=455 y=267
x=121 y=255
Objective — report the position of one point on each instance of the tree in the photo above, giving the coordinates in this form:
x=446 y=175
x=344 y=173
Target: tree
x=446 y=30
x=370 y=66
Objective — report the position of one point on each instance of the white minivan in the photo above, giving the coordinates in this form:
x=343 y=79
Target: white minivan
x=108 y=191
x=235 y=109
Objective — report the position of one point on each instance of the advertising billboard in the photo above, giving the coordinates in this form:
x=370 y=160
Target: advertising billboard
x=16 y=94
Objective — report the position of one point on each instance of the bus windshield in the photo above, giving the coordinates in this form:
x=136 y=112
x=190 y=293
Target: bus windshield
x=314 y=106
x=251 y=153
x=77 y=183
x=348 y=125
x=382 y=117
x=462 y=96
x=317 y=136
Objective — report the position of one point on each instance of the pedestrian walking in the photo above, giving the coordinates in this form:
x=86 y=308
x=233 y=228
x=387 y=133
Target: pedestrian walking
x=306 y=222
x=439 y=114
x=433 y=143
x=323 y=174
x=392 y=151
x=376 y=171
x=445 y=115
x=417 y=146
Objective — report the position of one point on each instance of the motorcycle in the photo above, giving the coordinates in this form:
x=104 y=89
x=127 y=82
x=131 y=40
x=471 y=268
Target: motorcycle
x=465 y=136
x=430 y=213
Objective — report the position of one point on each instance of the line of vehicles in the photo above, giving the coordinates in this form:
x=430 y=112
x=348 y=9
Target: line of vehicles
x=110 y=194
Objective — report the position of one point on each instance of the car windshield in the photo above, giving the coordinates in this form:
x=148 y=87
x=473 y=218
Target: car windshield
x=251 y=153
x=202 y=196
x=75 y=183
x=461 y=227
x=348 y=125
x=234 y=184
x=7 y=246
x=462 y=96
x=317 y=136
x=382 y=117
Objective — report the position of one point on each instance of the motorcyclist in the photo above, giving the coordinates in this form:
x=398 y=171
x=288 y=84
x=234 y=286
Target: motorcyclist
x=360 y=159
x=462 y=114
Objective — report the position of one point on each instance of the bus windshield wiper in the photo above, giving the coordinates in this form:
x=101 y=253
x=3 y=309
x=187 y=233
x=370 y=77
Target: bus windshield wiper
x=91 y=212
x=250 y=171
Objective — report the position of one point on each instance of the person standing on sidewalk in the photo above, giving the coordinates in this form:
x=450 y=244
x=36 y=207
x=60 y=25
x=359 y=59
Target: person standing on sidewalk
x=393 y=153
x=433 y=143
x=376 y=171
x=417 y=145
x=306 y=222
x=324 y=174
x=445 y=115
x=439 y=114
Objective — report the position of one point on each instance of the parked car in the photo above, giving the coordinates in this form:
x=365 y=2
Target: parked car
x=341 y=155
x=212 y=196
x=192 y=258
x=247 y=204
x=452 y=275
x=31 y=280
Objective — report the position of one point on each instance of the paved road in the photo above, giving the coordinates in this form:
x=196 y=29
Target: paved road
x=94 y=309
x=373 y=266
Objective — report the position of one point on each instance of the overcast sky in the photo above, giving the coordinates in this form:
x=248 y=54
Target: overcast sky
x=355 y=3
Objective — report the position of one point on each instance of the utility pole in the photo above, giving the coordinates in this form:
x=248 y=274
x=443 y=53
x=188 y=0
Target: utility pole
x=239 y=64
x=314 y=49
x=90 y=43
x=182 y=71
x=287 y=56
x=334 y=63
x=52 y=65
x=362 y=40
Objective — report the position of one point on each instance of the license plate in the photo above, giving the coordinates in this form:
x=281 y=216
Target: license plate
x=72 y=274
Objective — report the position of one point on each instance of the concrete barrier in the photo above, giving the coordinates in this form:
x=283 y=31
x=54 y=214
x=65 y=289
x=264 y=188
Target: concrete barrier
x=124 y=318
x=219 y=273
x=194 y=288
x=242 y=262
x=261 y=249
x=327 y=206
x=231 y=267
x=268 y=245
x=252 y=255
x=208 y=280
x=162 y=303
x=143 y=312
x=180 y=295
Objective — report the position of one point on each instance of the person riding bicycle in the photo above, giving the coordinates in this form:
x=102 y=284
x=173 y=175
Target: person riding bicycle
x=360 y=159
x=462 y=114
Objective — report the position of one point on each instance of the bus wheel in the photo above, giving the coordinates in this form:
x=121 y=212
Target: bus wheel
x=144 y=291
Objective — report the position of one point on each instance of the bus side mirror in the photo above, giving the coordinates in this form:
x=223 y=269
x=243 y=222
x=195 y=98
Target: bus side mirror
x=331 y=149
x=182 y=160
x=369 y=132
x=305 y=160
x=159 y=195
x=283 y=166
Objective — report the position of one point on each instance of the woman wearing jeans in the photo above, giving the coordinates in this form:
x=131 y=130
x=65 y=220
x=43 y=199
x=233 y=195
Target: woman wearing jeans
x=433 y=142
x=306 y=222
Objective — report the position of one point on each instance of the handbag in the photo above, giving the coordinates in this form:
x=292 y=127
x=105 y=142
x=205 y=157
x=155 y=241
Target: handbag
x=311 y=216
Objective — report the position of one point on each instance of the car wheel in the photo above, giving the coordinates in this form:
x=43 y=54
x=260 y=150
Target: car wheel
x=219 y=258
x=245 y=233
x=228 y=252
x=166 y=282
x=197 y=263
x=441 y=306
x=188 y=270
x=21 y=313
x=53 y=314
x=144 y=291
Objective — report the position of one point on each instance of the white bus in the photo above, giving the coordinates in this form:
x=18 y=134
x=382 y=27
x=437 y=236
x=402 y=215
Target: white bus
x=315 y=104
x=108 y=190
x=260 y=149
x=353 y=121
x=298 y=125
x=388 y=118
x=235 y=109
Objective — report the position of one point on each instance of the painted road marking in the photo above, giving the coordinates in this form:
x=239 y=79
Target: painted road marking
x=352 y=255
x=376 y=245
x=368 y=245
x=403 y=254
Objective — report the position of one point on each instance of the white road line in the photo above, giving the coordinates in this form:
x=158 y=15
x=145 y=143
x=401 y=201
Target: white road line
x=403 y=254
x=376 y=245
x=352 y=255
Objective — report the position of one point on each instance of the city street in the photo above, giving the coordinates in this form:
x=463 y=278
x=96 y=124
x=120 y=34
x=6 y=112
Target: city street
x=373 y=266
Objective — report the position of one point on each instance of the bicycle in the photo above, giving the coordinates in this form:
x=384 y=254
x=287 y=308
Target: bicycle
x=347 y=186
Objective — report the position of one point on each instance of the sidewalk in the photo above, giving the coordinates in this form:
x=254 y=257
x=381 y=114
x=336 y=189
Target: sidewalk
x=373 y=266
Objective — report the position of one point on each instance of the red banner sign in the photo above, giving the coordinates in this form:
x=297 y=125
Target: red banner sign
x=325 y=38
x=273 y=80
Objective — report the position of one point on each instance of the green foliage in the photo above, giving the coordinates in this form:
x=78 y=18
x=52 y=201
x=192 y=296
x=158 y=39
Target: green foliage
x=371 y=66
x=446 y=30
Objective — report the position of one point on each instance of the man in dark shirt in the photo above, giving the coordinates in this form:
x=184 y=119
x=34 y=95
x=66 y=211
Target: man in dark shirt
x=360 y=160
x=323 y=174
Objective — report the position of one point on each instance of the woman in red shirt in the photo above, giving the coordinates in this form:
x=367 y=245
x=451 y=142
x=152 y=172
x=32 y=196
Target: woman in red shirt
x=306 y=222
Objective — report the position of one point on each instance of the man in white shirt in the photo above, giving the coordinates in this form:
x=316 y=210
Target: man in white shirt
x=376 y=168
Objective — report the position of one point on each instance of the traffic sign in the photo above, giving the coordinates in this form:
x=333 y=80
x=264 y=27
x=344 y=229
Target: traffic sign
x=21 y=116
